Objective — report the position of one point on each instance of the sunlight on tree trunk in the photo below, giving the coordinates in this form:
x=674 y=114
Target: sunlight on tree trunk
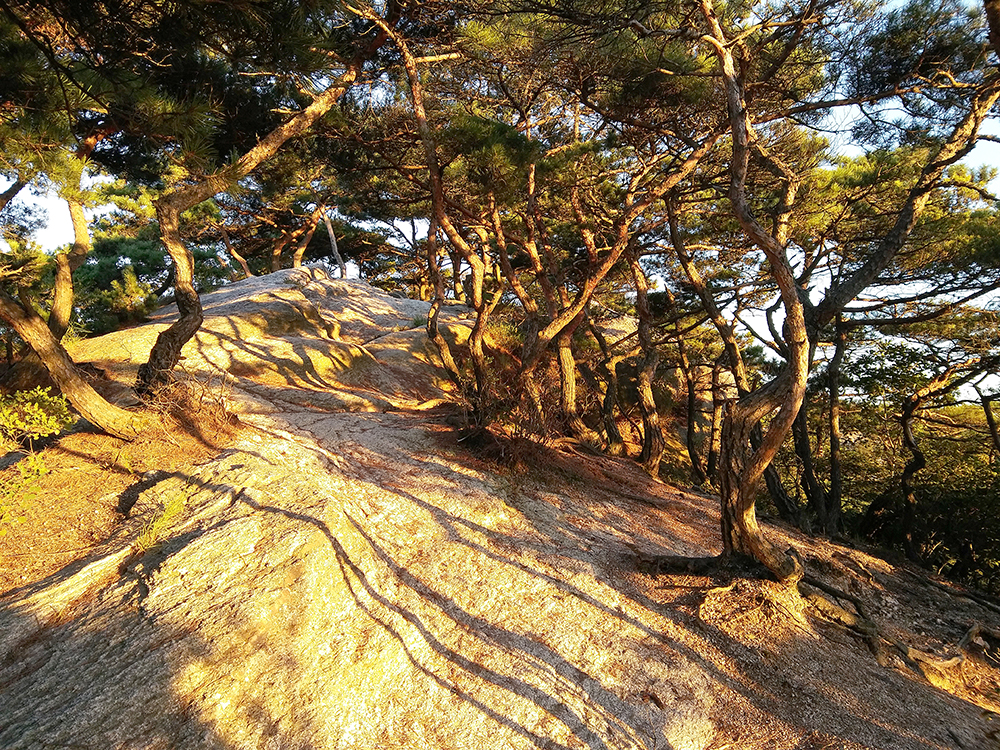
x=57 y=362
x=334 y=249
x=61 y=313
x=567 y=387
x=166 y=351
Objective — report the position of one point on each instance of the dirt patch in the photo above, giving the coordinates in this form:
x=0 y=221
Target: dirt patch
x=79 y=503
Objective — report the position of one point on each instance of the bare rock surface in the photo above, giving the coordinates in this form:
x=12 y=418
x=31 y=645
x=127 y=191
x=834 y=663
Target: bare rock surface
x=349 y=575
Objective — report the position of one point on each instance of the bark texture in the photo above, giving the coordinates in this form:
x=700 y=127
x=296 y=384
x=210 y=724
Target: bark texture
x=66 y=263
x=57 y=362
x=167 y=350
x=333 y=246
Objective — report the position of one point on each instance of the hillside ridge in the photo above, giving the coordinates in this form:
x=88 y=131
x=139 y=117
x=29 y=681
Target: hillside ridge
x=346 y=572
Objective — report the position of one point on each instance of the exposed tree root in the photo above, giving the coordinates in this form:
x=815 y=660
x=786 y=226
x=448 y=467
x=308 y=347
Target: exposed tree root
x=857 y=622
x=982 y=600
x=841 y=609
x=943 y=673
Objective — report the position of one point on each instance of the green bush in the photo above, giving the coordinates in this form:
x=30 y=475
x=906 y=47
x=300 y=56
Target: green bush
x=25 y=417
x=504 y=334
x=17 y=492
x=29 y=415
x=127 y=302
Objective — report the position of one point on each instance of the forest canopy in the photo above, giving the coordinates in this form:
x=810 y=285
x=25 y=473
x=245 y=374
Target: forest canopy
x=747 y=244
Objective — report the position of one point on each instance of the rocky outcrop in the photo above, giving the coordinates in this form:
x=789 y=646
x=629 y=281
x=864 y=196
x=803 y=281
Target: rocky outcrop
x=349 y=575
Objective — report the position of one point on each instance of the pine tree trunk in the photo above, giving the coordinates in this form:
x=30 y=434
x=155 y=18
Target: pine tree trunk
x=336 y=252
x=10 y=193
x=718 y=399
x=742 y=470
x=916 y=463
x=700 y=477
x=567 y=387
x=616 y=446
x=814 y=490
x=991 y=421
x=306 y=238
x=247 y=273
x=433 y=332
x=834 y=499
x=166 y=351
x=457 y=287
x=992 y=8
x=484 y=396
x=739 y=474
x=61 y=313
x=57 y=362
x=652 y=432
x=276 y=251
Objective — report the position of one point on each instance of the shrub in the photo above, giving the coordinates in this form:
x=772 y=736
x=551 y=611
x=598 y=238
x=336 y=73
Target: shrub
x=126 y=302
x=25 y=417
x=16 y=493
x=29 y=415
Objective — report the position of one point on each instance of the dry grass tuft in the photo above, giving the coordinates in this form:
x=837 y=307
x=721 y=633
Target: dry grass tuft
x=502 y=451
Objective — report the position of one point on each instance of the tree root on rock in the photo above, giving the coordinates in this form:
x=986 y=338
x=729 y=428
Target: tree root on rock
x=841 y=609
x=858 y=623
x=940 y=672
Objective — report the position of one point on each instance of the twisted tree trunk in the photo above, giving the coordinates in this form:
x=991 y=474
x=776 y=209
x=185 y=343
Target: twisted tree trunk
x=741 y=469
x=834 y=498
x=167 y=350
x=61 y=313
x=59 y=364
